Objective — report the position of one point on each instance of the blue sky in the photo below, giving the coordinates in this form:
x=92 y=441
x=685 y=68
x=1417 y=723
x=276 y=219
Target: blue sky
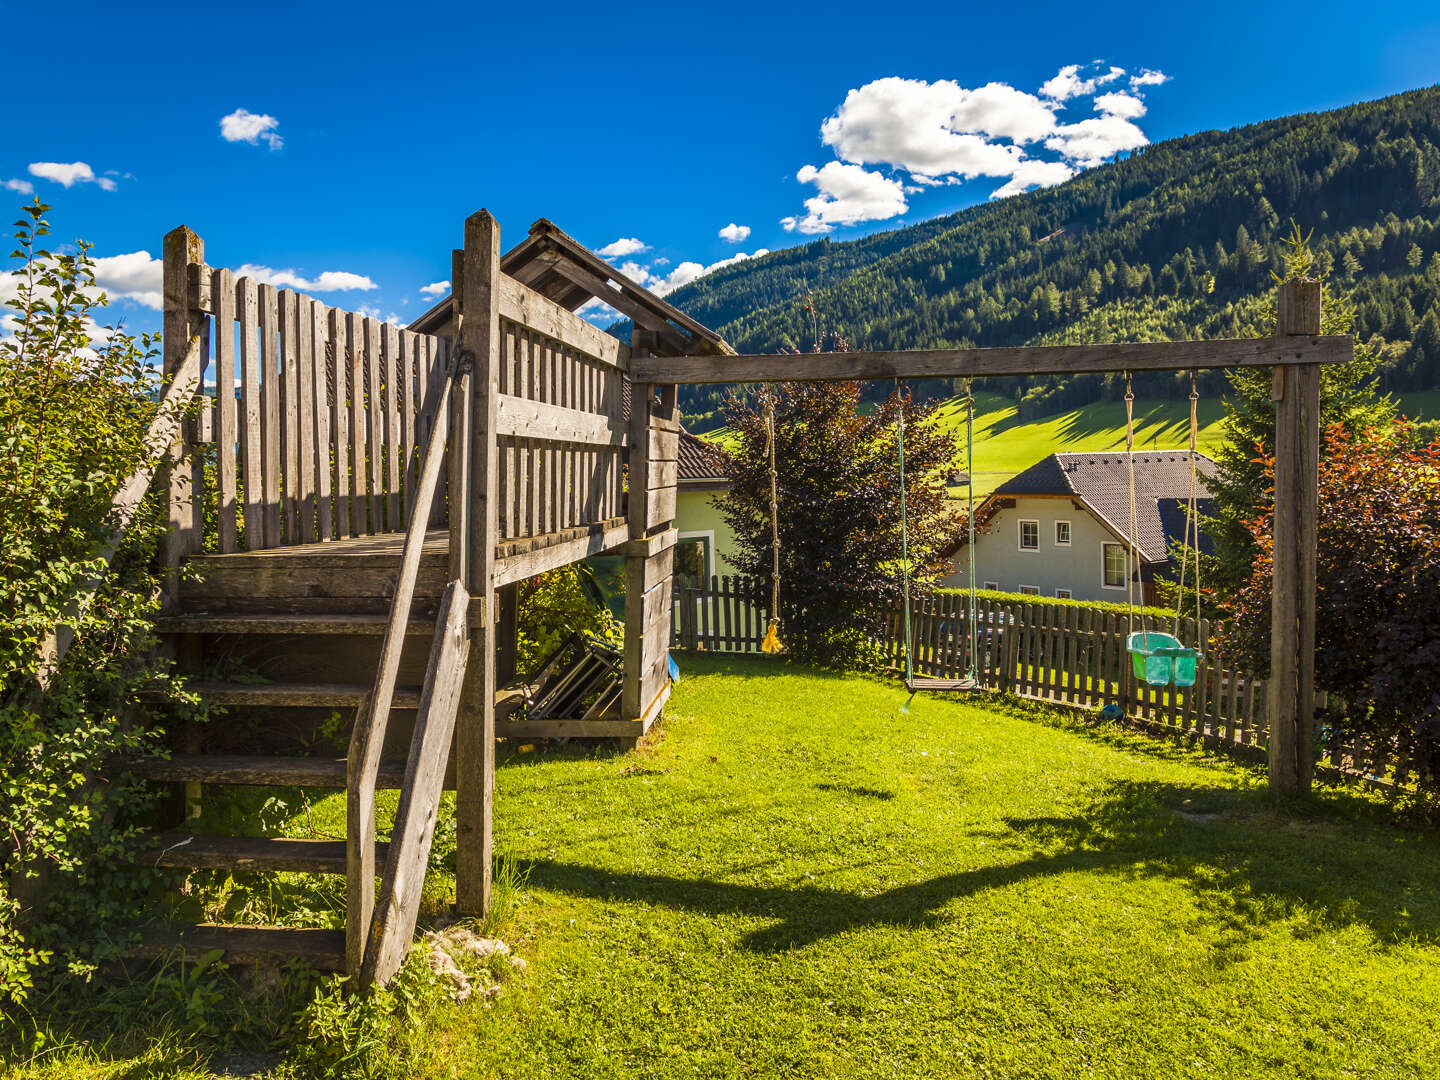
x=360 y=137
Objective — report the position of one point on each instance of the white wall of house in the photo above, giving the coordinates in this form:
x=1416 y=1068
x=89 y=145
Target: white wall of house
x=1050 y=568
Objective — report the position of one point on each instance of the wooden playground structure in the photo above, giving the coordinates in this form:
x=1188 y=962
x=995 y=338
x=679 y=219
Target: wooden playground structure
x=377 y=494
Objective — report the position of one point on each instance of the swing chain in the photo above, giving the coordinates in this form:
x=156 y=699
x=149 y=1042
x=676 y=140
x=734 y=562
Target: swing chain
x=771 y=643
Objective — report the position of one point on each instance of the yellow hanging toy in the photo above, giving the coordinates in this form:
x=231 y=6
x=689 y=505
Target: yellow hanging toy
x=772 y=643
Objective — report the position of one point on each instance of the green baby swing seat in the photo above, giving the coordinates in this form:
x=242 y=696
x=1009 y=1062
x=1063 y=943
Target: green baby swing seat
x=1160 y=659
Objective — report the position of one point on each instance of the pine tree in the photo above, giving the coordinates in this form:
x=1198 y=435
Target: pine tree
x=1349 y=397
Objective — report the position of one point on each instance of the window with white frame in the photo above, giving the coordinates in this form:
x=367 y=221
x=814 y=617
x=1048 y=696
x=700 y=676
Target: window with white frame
x=1029 y=536
x=1062 y=533
x=1029 y=590
x=993 y=586
x=1062 y=594
x=1114 y=566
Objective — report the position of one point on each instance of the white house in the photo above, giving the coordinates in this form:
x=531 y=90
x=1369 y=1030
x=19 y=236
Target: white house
x=1060 y=528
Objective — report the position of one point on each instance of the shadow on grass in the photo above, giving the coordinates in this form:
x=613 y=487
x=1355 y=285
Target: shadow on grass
x=1249 y=862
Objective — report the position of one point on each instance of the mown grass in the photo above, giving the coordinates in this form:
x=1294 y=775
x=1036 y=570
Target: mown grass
x=798 y=879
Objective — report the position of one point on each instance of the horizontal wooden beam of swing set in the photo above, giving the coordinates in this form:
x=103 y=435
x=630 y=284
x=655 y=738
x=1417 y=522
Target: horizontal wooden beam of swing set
x=983 y=363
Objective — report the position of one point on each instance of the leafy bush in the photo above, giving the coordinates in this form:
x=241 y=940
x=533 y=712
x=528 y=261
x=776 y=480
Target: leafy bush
x=555 y=605
x=75 y=400
x=1377 y=591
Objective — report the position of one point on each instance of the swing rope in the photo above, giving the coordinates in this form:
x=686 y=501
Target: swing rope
x=973 y=605
x=904 y=540
x=1190 y=519
x=772 y=644
x=1132 y=568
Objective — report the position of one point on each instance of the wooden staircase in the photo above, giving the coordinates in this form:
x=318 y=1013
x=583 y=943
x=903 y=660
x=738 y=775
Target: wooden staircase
x=367 y=625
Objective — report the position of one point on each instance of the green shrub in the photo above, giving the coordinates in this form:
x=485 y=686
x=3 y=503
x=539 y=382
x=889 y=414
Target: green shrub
x=75 y=401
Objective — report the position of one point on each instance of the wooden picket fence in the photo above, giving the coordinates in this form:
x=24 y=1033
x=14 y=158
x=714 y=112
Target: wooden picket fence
x=727 y=615
x=1065 y=654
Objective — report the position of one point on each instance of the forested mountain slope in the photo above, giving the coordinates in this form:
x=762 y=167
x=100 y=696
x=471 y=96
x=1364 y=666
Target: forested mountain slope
x=1176 y=241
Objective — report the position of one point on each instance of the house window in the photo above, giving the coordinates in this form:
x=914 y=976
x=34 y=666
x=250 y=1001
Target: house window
x=1029 y=590
x=1029 y=536
x=1114 y=557
x=692 y=561
x=1062 y=533
x=1062 y=594
x=993 y=586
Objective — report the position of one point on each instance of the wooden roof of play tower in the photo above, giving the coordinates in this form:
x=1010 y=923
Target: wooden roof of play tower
x=555 y=265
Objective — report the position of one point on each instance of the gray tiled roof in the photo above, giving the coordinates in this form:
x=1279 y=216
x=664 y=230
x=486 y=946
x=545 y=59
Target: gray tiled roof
x=1102 y=482
x=699 y=460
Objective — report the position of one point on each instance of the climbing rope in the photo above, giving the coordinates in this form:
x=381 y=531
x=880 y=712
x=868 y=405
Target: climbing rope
x=772 y=643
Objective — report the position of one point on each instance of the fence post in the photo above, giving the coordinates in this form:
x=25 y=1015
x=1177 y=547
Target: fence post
x=183 y=255
x=476 y=497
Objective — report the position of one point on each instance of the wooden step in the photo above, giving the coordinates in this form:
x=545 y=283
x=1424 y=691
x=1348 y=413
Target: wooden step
x=251 y=769
x=324 y=949
x=276 y=695
x=200 y=622
x=250 y=853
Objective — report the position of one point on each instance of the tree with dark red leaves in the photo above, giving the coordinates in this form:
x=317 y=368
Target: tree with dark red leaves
x=1377 y=591
x=839 y=498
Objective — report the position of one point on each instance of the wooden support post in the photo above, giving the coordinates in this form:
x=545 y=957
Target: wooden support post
x=182 y=250
x=507 y=632
x=1291 y=703
x=654 y=434
x=479 y=346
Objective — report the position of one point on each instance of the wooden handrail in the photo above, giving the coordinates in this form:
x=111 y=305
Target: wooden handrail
x=367 y=739
x=160 y=439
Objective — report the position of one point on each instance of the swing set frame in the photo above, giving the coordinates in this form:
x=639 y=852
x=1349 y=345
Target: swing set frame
x=1296 y=353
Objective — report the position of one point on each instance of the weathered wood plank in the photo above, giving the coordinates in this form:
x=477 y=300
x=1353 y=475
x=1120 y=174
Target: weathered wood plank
x=375 y=402
x=985 y=363
x=184 y=330
x=398 y=906
x=526 y=306
x=518 y=416
x=251 y=409
x=390 y=362
x=302 y=327
x=323 y=360
x=340 y=421
x=290 y=423
x=361 y=520
x=272 y=406
x=227 y=435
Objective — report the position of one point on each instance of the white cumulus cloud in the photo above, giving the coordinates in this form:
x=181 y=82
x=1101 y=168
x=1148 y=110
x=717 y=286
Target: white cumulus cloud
x=848 y=195
x=68 y=175
x=683 y=273
x=735 y=234
x=1089 y=142
x=626 y=245
x=244 y=126
x=136 y=275
x=24 y=187
x=1032 y=174
x=328 y=281
x=435 y=288
x=939 y=128
x=927 y=134
x=1119 y=103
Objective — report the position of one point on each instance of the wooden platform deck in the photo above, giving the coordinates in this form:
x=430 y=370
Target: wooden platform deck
x=357 y=574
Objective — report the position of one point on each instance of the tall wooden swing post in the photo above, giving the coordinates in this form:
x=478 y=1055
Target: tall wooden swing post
x=1297 y=496
x=475 y=488
x=654 y=448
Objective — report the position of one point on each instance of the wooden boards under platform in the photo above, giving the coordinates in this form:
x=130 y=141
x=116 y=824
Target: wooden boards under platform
x=355 y=577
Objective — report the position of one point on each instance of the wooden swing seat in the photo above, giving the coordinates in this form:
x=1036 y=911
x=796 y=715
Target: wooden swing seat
x=914 y=685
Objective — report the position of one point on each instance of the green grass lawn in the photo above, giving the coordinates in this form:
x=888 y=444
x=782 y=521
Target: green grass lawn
x=799 y=879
